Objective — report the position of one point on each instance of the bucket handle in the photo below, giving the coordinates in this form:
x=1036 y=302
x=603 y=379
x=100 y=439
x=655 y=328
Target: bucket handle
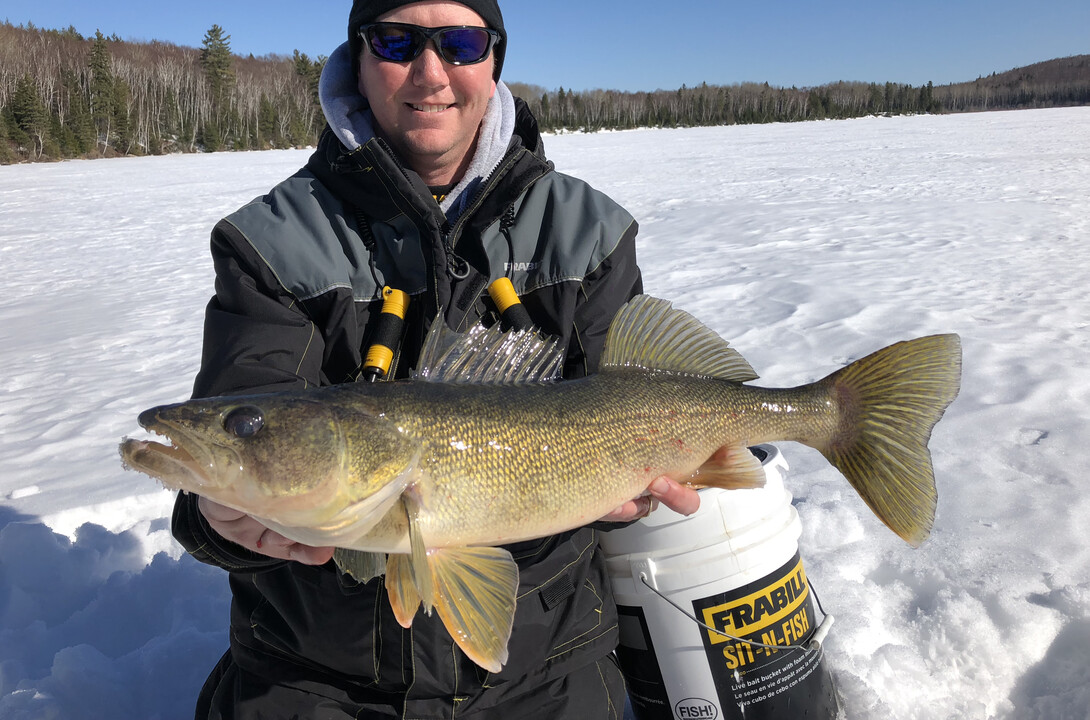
x=813 y=643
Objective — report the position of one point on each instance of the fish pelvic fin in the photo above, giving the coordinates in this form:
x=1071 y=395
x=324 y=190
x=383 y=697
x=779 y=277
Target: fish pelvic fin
x=731 y=467
x=475 y=591
x=888 y=403
x=360 y=564
x=650 y=333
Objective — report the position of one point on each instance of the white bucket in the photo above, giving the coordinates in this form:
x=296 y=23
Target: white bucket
x=734 y=565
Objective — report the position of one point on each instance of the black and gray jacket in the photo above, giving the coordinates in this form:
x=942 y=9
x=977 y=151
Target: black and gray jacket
x=299 y=274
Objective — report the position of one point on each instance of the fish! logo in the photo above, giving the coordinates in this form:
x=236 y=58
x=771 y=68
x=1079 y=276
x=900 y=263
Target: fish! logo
x=696 y=709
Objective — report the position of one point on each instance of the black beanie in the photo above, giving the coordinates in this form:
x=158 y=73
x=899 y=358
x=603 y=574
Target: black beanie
x=366 y=11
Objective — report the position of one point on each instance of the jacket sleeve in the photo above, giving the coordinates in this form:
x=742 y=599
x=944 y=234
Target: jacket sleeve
x=256 y=339
x=604 y=290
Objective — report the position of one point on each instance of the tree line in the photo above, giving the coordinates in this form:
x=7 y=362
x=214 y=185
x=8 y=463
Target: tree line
x=1054 y=83
x=63 y=96
x=705 y=105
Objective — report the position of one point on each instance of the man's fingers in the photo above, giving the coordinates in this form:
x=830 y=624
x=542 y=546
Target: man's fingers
x=631 y=510
x=241 y=529
x=310 y=555
x=677 y=497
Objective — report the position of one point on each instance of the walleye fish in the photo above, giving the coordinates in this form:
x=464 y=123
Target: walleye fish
x=420 y=480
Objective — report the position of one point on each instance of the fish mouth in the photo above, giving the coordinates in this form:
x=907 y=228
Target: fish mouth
x=183 y=463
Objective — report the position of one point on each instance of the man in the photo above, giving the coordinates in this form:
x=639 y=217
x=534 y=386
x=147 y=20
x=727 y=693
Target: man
x=430 y=179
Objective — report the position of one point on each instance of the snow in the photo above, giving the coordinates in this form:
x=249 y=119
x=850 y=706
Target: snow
x=806 y=245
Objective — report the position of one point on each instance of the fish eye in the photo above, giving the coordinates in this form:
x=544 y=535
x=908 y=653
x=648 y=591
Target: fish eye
x=244 y=422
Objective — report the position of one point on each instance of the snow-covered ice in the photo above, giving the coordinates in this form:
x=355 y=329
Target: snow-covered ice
x=806 y=245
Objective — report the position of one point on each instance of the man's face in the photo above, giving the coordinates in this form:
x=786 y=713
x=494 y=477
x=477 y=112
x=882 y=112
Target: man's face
x=427 y=110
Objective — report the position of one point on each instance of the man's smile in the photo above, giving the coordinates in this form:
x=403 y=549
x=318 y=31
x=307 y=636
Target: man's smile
x=429 y=108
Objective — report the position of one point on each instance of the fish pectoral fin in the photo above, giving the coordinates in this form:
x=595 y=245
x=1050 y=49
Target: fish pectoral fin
x=419 y=569
x=360 y=564
x=401 y=587
x=475 y=589
x=731 y=467
x=408 y=577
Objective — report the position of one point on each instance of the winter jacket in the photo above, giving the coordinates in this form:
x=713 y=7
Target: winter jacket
x=299 y=274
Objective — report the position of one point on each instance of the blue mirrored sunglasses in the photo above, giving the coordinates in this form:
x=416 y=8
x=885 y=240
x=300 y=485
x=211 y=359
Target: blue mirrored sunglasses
x=401 y=42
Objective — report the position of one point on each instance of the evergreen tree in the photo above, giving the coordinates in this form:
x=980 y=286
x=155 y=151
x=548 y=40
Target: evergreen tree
x=216 y=62
x=268 y=127
x=927 y=98
x=310 y=71
x=7 y=153
x=77 y=135
x=123 y=126
x=546 y=112
x=102 y=89
x=30 y=115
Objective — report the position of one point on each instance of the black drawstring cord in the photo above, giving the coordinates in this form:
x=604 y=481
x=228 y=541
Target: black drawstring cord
x=507 y=221
x=368 y=239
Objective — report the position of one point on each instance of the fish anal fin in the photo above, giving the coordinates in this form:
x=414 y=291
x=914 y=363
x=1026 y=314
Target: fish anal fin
x=475 y=590
x=404 y=598
x=731 y=467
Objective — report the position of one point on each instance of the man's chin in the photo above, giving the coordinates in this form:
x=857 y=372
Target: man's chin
x=429 y=150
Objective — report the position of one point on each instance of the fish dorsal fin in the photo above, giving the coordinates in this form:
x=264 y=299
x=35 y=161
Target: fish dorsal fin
x=650 y=333
x=488 y=356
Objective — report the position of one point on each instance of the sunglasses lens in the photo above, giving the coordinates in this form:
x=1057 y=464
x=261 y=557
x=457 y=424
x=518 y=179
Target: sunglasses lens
x=399 y=42
x=394 y=43
x=462 y=46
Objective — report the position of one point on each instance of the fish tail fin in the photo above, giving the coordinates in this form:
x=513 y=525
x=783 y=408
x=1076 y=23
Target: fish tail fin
x=888 y=403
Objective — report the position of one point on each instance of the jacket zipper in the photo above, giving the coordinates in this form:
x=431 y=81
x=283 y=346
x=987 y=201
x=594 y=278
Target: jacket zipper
x=450 y=238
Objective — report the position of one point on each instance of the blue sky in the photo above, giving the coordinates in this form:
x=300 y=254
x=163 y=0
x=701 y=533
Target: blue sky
x=644 y=45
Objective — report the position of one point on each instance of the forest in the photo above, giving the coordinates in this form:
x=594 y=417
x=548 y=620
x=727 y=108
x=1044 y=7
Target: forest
x=66 y=96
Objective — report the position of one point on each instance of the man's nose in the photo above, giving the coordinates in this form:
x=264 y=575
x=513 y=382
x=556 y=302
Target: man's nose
x=429 y=70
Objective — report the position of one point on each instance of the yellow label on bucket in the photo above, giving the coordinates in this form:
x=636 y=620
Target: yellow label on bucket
x=773 y=606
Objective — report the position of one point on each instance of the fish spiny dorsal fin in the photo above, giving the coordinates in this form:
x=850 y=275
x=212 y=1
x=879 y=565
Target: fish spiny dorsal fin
x=488 y=356
x=650 y=333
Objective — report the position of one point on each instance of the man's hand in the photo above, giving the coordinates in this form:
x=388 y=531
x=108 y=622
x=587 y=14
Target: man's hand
x=677 y=497
x=240 y=528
